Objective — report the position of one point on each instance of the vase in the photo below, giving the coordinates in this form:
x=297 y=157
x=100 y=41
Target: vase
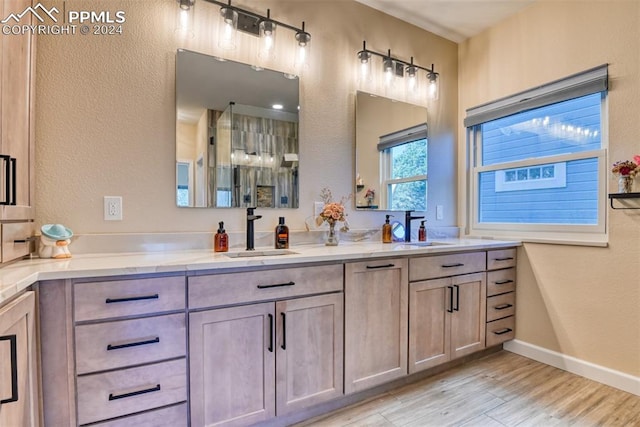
x=625 y=184
x=332 y=235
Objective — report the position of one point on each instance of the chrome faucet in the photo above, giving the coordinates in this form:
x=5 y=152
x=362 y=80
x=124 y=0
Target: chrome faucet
x=250 y=218
x=407 y=224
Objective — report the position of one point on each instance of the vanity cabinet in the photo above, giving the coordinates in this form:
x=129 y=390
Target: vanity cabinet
x=501 y=296
x=376 y=322
x=17 y=90
x=18 y=369
x=274 y=351
x=447 y=303
x=124 y=343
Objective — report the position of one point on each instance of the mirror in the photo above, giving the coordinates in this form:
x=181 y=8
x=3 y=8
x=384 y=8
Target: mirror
x=391 y=154
x=236 y=134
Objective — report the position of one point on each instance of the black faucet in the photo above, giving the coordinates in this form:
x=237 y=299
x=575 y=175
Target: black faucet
x=407 y=224
x=250 y=218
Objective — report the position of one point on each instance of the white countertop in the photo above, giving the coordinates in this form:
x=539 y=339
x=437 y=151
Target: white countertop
x=18 y=276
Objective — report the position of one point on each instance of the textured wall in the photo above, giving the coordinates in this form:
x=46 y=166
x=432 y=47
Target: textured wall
x=106 y=113
x=580 y=301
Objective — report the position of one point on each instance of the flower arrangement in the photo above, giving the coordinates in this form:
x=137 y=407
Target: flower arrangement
x=332 y=212
x=370 y=195
x=627 y=167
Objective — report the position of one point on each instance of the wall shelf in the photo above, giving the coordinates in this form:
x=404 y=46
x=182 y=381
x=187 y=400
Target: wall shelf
x=623 y=196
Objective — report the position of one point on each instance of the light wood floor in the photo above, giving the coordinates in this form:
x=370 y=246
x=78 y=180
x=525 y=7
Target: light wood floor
x=502 y=389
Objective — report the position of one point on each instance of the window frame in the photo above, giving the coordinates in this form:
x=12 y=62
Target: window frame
x=595 y=234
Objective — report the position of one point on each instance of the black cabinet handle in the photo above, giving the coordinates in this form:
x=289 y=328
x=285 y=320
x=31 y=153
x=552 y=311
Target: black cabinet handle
x=459 y=264
x=270 y=333
x=128 y=299
x=7 y=180
x=134 y=393
x=503 y=306
x=509 y=258
x=457 y=297
x=503 y=331
x=14 y=368
x=14 y=179
x=503 y=282
x=450 y=309
x=284 y=331
x=277 y=285
x=373 y=267
x=133 y=344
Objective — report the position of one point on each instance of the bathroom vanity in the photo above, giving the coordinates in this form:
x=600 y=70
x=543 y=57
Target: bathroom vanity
x=198 y=338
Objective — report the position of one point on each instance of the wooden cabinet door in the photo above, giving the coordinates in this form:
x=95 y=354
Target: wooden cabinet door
x=376 y=322
x=430 y=305
x=232 y=360
x=16 y=111
x=468 y=319
x=309 y=351
x=18 y=378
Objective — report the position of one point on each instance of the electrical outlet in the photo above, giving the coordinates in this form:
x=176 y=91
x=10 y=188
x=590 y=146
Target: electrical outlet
x=439 y=212
x=112 y=208
x=317 y=208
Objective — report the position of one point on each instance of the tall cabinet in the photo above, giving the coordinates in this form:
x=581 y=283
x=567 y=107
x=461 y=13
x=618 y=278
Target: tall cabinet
x=17 y=113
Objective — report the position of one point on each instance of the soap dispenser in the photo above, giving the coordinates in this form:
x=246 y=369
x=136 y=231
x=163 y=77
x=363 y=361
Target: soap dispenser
x=282 y=235
x=221 y=239
x=422 y=232
x=387 y=235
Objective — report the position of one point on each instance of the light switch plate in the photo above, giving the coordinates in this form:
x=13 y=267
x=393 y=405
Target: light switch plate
x=112 y=208
x=439 y=212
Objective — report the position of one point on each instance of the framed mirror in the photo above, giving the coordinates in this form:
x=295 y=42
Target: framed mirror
x=236 y=134
x=391 y=154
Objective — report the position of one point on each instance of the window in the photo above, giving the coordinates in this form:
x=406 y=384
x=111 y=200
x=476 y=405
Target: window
x=538 y=161
x=403 y=164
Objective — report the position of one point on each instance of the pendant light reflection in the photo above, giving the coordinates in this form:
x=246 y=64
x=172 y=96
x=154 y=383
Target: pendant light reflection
x=228 y=28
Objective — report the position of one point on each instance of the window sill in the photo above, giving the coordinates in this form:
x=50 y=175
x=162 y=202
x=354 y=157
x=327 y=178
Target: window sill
x=566 y=240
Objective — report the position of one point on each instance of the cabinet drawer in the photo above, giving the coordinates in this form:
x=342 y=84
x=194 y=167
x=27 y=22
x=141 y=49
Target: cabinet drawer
x=422 y=268
x=501 y=281
x=14 y=240
x=117 y=298
x=123 y=343
x=123 y=392
x=234 y=288
x=501 y=306
x=501 y=330
x=501 y=258
x=173 y=416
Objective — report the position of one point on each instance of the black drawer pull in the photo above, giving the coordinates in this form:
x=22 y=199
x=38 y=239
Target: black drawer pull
x=7 y=180
x=134 y=393
x=277 y=285
x=509 y=258
x=450 y=309
x=373 y=267
x=270 y=333
x=503 y=282
x=503 y=331
x=459 y=264
x=26 y=239
x=503 y=306
x=133 y=344
x=14 y=368
x=14 y=180
x=284 y=331
x=128 y=299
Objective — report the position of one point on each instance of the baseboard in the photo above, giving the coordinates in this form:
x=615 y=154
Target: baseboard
x=601 y=374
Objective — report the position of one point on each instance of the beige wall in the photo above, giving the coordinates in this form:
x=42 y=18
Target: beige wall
x=581 y=301
x=106 y=114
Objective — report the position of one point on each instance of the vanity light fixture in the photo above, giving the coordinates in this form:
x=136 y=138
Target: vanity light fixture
x=184 y=23
x=394 y=68
x=234 y=19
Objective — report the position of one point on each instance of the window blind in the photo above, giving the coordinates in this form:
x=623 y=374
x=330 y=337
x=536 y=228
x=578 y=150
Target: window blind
x=400 y=137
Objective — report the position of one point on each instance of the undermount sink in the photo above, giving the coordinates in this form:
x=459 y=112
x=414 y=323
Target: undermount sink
x=409 y=245
x=258 y=253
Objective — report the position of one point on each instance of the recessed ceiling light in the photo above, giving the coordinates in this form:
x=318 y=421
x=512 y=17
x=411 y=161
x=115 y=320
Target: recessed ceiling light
x=277 y=106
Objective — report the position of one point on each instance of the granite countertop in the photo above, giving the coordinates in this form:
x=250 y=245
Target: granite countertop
x=16 y=277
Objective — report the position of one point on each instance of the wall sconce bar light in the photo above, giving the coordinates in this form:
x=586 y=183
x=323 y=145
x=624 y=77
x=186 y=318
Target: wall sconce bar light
x=235 y=19
x=396 y=68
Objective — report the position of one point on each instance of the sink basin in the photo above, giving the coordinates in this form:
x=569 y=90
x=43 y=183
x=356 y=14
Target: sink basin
x=409 y=245
x=258 y=253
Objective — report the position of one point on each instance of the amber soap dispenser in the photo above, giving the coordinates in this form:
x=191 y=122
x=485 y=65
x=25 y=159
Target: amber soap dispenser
x=386 y=231
x=221 y=239
x=282 y=235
